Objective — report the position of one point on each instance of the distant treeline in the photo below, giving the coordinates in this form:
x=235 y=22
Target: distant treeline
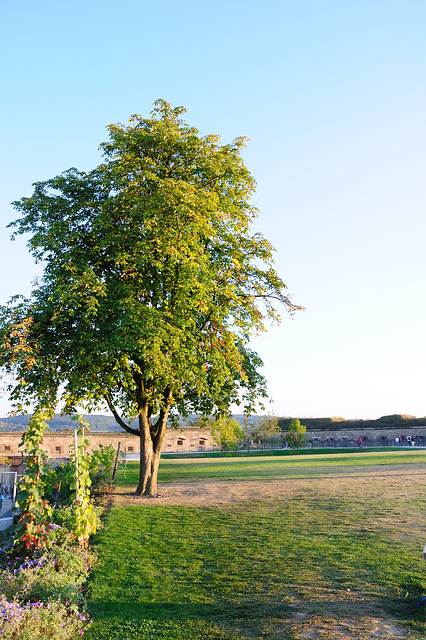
x=397 y=421
x=98 y=423
x=104 y=424
x=61 y=423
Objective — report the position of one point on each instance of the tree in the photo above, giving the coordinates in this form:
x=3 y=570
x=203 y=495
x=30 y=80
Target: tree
x=152 y=285
x=226 y=431
x=296 y=436
x=266 y=430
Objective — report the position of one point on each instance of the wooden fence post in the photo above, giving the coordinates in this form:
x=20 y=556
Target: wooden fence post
x=76 y=465
x=116 y=461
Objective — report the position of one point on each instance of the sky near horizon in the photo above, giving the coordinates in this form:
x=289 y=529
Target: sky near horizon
x=332 y=96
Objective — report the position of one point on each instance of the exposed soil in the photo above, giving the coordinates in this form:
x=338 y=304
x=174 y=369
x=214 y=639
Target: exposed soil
x=361 y=483
x=318 y=614
x=340 y=615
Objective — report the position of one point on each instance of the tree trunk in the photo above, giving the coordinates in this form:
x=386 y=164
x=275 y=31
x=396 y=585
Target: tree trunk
x=150 y=453
x=146 y=456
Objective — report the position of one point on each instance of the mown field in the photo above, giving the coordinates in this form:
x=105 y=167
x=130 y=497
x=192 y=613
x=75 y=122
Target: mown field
x=269 y=468
x=334 y=551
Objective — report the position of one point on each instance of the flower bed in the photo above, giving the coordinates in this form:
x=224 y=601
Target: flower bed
x=42 y=596
x=45 y=559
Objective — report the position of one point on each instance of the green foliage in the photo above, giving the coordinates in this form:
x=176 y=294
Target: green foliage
x=57 y=574
x=40 y=483
x=296 y=436
x=35 y=509
x=266 y=430
x=43 y=574
x=43 y=596
x=84 y=516
x=65 y=517
x=226 y=431
x=60 y=480
x=101 y=465
x=40 y=621
x=153 y=283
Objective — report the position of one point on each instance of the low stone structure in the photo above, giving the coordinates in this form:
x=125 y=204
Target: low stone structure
x=58 y=443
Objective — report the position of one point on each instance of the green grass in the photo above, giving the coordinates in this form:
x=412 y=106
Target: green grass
x=243 y=453
x=268 y=468
x=235 y=572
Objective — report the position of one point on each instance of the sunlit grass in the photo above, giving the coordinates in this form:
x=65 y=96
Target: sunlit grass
x=188 y=470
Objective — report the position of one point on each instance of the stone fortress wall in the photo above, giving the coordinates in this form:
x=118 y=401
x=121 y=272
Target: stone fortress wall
x=371 y=437
x=192 y=439
x=57 y=444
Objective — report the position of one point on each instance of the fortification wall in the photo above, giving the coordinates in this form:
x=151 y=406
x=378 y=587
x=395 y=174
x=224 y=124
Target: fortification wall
x=58 y=444
x=192 y=439
x=370 y=437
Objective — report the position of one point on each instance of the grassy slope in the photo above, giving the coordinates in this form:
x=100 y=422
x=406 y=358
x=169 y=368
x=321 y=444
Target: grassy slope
x=172 y=573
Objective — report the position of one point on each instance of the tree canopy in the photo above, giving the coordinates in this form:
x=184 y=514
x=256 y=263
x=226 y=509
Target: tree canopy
x=153 y=283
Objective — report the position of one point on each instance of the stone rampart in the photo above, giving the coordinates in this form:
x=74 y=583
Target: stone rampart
x=58 y=444
x=192 y=439
x=370 y=437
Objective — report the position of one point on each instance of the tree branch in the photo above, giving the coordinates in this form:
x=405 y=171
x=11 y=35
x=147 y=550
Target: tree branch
x=209 y=315
x=121 y=422
x=167 y=395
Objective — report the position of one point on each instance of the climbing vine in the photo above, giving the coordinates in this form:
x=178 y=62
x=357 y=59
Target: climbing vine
x=34 y=500
x=36 y=511
x=84 y=516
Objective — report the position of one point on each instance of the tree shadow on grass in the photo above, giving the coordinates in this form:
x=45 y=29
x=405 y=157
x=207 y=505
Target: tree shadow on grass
x=171 y=621
x=280 y=621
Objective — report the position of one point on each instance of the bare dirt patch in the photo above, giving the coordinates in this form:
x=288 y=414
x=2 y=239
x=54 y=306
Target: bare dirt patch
x=340 y=615
x=358 y=485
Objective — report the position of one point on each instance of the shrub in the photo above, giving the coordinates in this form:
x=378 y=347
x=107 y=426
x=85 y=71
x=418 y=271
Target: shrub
x=40 y=620
x=59 y=481
x=101 y=465
x=59 y=575
x=296 y=436
x=64 y=516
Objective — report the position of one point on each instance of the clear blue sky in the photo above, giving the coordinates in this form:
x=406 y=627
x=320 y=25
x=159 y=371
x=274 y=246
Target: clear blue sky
x=331 y=94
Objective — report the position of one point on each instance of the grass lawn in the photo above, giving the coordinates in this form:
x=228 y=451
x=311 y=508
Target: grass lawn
x=340 y=557
x=269 y=468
